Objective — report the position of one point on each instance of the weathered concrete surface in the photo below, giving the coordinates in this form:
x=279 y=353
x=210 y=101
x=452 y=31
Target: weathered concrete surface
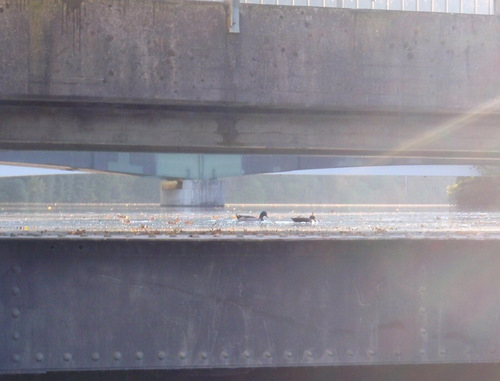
x=161 y=129
x=179 y=51
x=382 y=80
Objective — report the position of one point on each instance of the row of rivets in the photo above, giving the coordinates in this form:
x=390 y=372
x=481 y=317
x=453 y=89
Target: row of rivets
x=161 y=355
x=16 y=314
x=39 y=357
x=15 y=291
x=117 y=356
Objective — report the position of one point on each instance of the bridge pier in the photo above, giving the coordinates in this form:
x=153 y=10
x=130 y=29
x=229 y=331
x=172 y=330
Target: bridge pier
x=192 y=193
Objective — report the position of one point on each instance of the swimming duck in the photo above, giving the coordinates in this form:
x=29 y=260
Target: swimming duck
x=244 y=217
x=309 y=219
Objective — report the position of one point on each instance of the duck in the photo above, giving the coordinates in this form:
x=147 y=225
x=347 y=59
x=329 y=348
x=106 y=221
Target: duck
x=309 y=219
x=245 y=217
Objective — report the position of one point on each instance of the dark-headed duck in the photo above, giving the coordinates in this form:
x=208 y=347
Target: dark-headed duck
x=309 y=219
x=244 y=217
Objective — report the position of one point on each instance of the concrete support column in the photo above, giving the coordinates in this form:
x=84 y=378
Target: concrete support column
x=192 y=193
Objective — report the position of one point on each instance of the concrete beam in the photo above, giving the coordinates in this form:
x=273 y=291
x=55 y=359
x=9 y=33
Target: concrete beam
x=94 y=127
x=180 y=52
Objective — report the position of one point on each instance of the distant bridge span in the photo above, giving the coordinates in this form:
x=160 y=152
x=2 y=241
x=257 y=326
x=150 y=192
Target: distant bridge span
x=149 y=76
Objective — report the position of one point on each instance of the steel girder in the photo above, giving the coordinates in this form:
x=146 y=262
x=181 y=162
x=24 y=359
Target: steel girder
x=111 y=304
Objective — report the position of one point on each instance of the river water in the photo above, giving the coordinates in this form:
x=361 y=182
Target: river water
x=334 y=221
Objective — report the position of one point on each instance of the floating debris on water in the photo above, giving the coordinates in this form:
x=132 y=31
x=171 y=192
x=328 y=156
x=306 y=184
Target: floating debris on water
x=341 y=222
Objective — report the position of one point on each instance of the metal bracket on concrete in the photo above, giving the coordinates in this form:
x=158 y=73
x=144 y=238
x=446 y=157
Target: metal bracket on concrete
x=233 y=18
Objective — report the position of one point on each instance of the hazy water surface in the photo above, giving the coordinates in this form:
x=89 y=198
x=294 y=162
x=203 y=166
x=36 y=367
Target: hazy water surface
x=342 y=221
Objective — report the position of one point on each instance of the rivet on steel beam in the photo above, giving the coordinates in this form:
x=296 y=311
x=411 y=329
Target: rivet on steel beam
x=423 y=331
x=16 y=269
x=182 y=355
x=350 y=353
x=162 y=355
x=329 y=353
x=15 y=313
x=39 y=357
x=16 y=358
x=117 y=356
x=95 y=356
x=16 y=336
x=397 y=353
x=203 y=355
x=442 y=352
x=422 y=352
x=139 y=356
x=288 y=354
x=67 y=356
x=15 y=291
x=246 y=354
x=371 y=352
x=267 y=354
x=224 y=355
x=423 y=310
x=308 y=354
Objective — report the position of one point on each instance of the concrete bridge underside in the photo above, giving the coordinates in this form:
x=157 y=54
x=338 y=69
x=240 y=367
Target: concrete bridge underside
x=202 y=130
x=168 y=77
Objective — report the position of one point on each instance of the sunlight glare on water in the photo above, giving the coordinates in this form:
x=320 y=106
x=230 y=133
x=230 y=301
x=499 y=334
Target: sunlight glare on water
x=333 y=221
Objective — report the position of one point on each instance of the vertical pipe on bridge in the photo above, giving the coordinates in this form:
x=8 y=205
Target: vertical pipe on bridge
x=234 y=16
